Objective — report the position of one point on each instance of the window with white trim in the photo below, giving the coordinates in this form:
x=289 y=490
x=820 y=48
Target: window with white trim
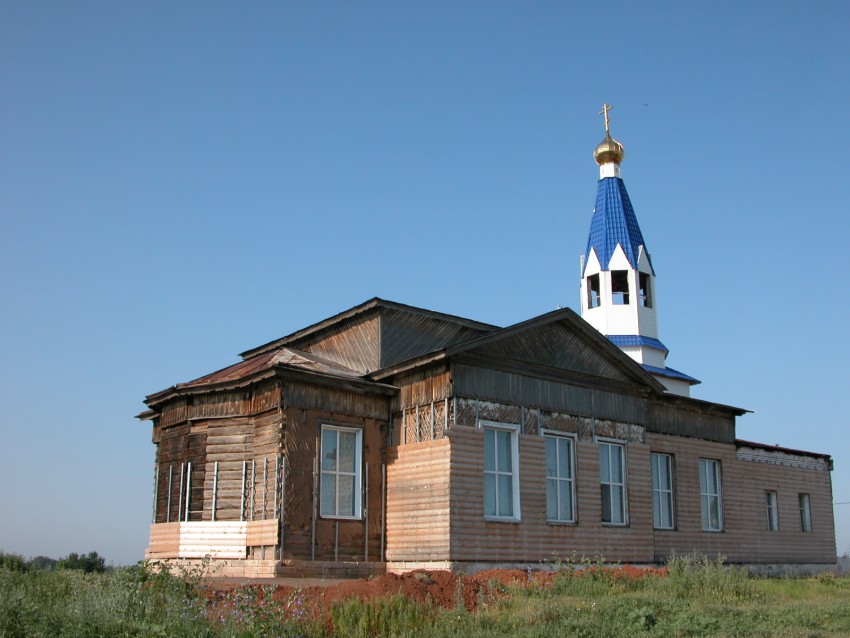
x=662 y=491
x=560 y=483
x=612 y=479
x=501 y=471
x=805 y=512
x=341 y=455
x=710 y=495
x=772 y=511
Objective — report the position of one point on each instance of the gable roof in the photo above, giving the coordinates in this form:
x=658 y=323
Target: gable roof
x=614 y=223
x=531 y=341
x=374 y=305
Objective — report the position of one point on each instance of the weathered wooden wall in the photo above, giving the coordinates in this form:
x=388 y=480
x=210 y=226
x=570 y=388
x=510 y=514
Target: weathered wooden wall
x=302 y=421
x=524 y=389
x=178 y=446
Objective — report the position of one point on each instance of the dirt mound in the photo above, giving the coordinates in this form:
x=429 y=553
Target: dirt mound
x=442 y=588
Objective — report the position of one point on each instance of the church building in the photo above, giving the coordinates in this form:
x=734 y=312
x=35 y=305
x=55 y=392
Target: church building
x=390 y=438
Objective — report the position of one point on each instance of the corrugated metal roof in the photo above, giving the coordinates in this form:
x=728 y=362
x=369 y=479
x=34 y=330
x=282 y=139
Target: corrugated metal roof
x=288 y=358
x=671 y=373
x=622 y=341
x=614 y=222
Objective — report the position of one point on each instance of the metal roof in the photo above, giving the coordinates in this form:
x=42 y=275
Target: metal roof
x=671 y=373
x=614 y=222
x=625 y=341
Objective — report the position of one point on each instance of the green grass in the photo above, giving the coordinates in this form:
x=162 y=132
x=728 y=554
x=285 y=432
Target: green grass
x=699 y=597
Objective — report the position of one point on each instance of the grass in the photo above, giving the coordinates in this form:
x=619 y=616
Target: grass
x=698 y=597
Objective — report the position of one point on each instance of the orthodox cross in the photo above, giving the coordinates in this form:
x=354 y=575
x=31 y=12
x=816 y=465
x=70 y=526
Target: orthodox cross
x=604 y=111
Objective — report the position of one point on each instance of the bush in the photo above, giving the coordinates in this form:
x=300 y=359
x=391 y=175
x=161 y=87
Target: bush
x=697 y=575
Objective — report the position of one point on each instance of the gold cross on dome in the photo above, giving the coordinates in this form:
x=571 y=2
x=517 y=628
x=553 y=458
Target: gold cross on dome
x=604 y=111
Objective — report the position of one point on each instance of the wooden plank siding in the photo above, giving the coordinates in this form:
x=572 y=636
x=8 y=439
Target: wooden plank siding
x=533 y=539
x=523 y=388
x=344 y=539
x=418 y=501
x=439 y=483
x=354 y=343
x=745 y=537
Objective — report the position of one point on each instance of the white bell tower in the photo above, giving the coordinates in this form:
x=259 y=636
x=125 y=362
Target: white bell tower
x=618 y=295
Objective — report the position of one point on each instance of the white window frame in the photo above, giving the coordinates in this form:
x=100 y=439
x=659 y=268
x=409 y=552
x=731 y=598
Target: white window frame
x=513 y=430
x=805 y=502
x=707 y=497
x=771 y=501
x=610 y=444
x=561 y=482
x=662 y=495
x=334 y=475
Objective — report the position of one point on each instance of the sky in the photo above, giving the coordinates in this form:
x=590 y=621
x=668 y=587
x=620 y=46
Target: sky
x=182 y=181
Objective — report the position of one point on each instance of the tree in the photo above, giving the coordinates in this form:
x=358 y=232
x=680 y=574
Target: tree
x=89 y=563
x=44 y=562
x=13 y=562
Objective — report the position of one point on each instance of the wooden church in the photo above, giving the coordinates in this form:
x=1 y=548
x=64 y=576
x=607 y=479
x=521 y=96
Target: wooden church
x=390 y=437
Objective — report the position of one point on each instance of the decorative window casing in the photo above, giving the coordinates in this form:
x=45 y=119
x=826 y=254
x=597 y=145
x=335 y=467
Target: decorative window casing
x=662 y=491
x=805 y=512
x=341 y=455
x=612 y=480
x=772 y=506
x=710 y=495
x=560 y=478
x=501 y=471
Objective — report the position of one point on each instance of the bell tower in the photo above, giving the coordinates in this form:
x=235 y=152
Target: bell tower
x=618 y=294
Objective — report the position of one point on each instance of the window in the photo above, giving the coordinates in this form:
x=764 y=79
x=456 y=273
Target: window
x=805 y=513
x=644 y=292
x=772 y=511
x=662 y=491
x=560 y=495
x=501 y=480
x=612 y=480
x=594 y=296
x=620 y=287
x=709 y=488
x=341 y=460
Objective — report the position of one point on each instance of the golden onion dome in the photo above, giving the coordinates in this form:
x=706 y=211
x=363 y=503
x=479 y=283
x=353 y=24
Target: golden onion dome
x=609 y=150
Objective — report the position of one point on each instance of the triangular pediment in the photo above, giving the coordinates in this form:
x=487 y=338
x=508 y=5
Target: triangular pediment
x=559 y=342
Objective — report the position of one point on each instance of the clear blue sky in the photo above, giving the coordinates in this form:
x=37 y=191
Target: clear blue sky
x=182 y=181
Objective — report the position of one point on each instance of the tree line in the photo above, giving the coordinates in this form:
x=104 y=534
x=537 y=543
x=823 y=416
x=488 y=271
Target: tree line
x=91 y=563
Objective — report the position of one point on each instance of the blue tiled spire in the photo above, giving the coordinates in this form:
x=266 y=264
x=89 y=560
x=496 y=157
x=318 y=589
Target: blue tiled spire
x=614 y=222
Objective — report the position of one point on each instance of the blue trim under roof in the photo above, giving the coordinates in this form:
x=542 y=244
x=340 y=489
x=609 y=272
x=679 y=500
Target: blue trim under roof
x=625 y=341
x=671 y=373
x=614 y=222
